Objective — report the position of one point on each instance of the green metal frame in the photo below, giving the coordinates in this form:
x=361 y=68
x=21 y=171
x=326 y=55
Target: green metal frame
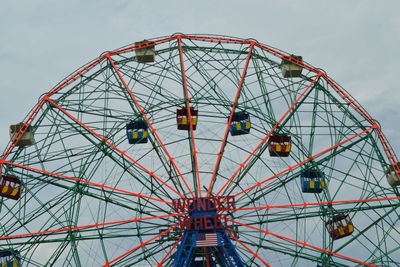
x=212 y=67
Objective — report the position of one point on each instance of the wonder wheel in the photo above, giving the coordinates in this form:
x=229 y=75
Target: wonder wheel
x=195 y=150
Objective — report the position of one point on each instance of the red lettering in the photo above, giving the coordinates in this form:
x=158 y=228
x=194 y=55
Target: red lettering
x=202 y=204
x=225 y=222
x=178 y=205
x=211 y=204
x=230 y=202
x=217 y=223
x=221 y=201
x=197 y=222
x=190 y=203
x=207 y=222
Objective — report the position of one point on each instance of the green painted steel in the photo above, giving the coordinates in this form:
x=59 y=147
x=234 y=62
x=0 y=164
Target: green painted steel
x=99 y=99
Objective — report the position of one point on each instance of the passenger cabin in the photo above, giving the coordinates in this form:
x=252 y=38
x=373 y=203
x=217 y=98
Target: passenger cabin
x=290 y=69
x=137 y=132
x=10 y=258
x=391 y=176
x=240 y=123
x=145 y=51
x=279 y=145
x=26 y=139
x=10 y=187
x=182 y=118
x=312 y=181
x=340 y=226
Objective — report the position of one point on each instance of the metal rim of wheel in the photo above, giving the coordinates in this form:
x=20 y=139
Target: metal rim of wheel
x=90 y=198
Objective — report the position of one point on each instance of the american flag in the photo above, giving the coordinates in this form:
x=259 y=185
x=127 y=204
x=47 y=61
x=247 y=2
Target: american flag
x=206 y=240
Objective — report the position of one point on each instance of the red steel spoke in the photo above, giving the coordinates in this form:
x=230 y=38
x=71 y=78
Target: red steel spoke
x=304 y=244
x=72 y=78
x=247 y=248
x=306 y=160
x=305 y=204
x=84 y=182
x=222 y=148
x=269 y=133
x=153 y=130
x=388 y=150
x=353 y=103
x=96 y=225
x=220 y=39
x=193 y=145
x=107 y=264
x=20 y=133
x=152 y=175
x=35 y=111
x=169 y=252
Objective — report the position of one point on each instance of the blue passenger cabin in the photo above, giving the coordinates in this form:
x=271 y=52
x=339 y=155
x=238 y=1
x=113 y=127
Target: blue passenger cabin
x=137 y=132
x=312 y=181
x=10 y=258
x=240 y=123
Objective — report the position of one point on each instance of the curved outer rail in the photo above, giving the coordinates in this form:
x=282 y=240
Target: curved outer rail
x=206 y=38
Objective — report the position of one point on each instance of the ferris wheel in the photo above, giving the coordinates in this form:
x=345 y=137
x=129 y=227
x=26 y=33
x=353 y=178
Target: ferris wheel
x=199 y=150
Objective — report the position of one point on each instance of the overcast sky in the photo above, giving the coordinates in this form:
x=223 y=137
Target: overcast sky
x=355 y=42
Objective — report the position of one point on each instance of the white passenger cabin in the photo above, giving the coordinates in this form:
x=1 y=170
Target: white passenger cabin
x=27 y=139
x=145 y=54
x=290 y=69
x=392 y=178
